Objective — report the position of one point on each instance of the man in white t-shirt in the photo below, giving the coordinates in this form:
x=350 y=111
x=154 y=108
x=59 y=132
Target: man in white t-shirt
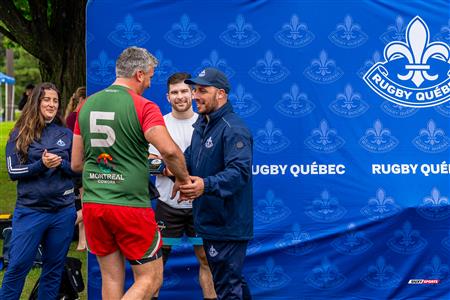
x=175 y=219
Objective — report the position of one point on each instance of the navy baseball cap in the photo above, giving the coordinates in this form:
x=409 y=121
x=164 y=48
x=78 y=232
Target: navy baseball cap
x=211 y=77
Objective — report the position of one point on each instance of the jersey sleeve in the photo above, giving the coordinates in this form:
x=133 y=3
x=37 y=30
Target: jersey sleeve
x=151 y=116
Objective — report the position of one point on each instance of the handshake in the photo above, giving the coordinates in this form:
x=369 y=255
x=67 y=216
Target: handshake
x=188 y=191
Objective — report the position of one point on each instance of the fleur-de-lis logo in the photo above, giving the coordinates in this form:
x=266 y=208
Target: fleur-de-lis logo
x=215 y=61
x=102 y=70
x=381 y=206
x=435 y=199
x=324 y=139
x=381 y=275
x=431 y=133
x=268 y=64
x=294 y=104
x=349 y=104
x=376 y=57
x=323 y=64
x=378 y=133
x=243 y=102
x=185 y=34
x=240 y=98
x=348 y=28
x=325 y=205
x=324 y=133
x=431 y=139
x=294 y=34
x=436 y=269
x=297 y=236
x=269 y=69
x=270 y=275
x=378 y=139
x=295 y=98
x=184 y=28
x=295 y=27
x=271 y=208
x=325 y=276
x=353 y=242
x=296 y=242
x=434 y=207
x=240 y=34
x=407 y=235
x=415 y=69
x=381 y=269
x=398 y=29
x=128 y=33
x=164 y=69
x=240 y=28
x=417 y=50
x=444 y=35
x=407 y=240
x=269 y=134
x=270 y=139
x=325 y=209
x=349 y=98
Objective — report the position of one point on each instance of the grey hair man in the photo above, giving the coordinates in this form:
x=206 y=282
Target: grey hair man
x=111 y=136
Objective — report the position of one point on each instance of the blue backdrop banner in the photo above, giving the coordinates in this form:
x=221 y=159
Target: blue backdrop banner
x=349 y=105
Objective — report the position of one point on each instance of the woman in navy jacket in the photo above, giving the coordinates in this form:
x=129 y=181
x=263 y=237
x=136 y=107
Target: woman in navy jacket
x=37 y=156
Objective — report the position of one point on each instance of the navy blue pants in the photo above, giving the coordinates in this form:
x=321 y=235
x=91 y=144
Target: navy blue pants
x=54 y=230
x=226 y=259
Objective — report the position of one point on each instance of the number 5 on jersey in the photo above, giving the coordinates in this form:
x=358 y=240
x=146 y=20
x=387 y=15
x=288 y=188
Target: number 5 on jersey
x=105 y=129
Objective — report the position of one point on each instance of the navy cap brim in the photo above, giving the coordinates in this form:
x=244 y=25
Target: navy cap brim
x=198 y=81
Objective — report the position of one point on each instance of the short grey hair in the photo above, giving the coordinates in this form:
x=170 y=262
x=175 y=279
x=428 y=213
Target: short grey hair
x=134 y=59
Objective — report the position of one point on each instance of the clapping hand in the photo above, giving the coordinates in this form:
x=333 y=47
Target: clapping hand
x=51 y=160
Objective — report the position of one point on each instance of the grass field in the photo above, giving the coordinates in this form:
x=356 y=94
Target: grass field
x=7 y=203
x=7 y=187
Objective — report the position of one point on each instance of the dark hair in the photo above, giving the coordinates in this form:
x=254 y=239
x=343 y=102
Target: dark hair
x=29 y=86
x=177 y=78
x=31 y=123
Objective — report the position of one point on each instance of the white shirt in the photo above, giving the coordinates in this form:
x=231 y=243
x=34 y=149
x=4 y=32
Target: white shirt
x=181 y=132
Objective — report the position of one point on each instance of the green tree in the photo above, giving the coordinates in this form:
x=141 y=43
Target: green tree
x=53 y=31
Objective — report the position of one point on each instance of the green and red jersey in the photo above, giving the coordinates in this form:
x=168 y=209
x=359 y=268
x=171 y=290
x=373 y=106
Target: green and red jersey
x=112 y=125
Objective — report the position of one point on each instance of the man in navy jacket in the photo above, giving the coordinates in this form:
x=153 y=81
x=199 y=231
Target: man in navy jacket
x=220 y=160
